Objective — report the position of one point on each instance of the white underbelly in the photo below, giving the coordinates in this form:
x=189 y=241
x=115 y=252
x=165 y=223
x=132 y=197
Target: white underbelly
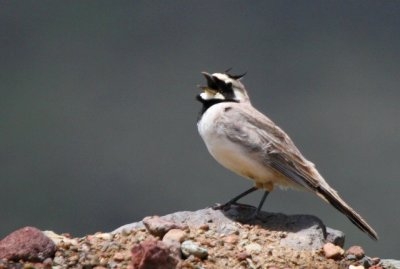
x=236 y=157
x=233 y=157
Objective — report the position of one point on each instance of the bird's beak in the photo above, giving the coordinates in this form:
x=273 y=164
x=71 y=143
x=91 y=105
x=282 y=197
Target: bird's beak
x=211 y=83
x=211 y=90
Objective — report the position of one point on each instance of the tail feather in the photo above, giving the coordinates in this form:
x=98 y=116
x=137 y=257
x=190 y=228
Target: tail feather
x=334 y=199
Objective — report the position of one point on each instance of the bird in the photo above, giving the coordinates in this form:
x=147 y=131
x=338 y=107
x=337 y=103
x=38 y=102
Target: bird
x=247 y=142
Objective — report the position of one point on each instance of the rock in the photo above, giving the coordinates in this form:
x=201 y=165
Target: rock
x=152 y=254
x=190 y=248
x=173 y=239
x=336 y=237
x=104 y=236
x=253 y=248
x=174 y=235
x=356 y=267
x=375 y=260
x=366 y=261
x=376 y=267
x=231 y=239
x=28 y=244
x=356 y=251
x=390 y=264
x=332 y=251
x=119 y=257
x=351 y=257
x=303 y=232
x=204 y=227
x=159 y=227
x=241 y=256
x=58 y=239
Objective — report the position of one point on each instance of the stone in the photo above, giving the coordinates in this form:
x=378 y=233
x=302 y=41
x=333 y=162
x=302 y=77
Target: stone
x=366 y=261
x=152 y=254
x=303 y=232
x=332 y=251
x=191 y=248
x=28 y=244
x=336 y=237
x=174 y=235
x=104 y=236
x=356 y=267
x=159 y=227
x=231 y=239
x=241 y=256
x=57 y=238
x=375 y=260
x=351 y=257
x=119 y=257
x=356 y=251
x=253 y=248
x=390 y=264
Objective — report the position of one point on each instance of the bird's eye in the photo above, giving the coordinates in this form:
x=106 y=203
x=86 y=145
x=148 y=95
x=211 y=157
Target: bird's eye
x=226 y=87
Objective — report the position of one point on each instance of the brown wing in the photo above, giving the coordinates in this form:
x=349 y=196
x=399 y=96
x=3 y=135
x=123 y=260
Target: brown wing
x=259 y=134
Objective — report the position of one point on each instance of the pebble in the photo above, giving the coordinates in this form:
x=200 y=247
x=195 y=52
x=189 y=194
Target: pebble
x=159 y=227
x=253 y=248
x=356 y=267
x=375 y=260
x=119 y=257
x=204 y=227
x=231 y=239
x=174 y=235
x=351 y=257
x=104 y=236
x=356 y=251
x=390 y=263
x=59 y=260
x=335 y=237
x=366 y=261
x=189 y=247
x=241 y=256
x=60 y=239
x=332 y=251
x=152 y=254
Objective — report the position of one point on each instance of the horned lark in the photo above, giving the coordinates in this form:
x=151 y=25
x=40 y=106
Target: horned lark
x=244 y=140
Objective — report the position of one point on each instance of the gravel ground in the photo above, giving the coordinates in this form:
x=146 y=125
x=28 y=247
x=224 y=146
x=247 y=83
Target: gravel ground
x=174 y=241
x=252 y=247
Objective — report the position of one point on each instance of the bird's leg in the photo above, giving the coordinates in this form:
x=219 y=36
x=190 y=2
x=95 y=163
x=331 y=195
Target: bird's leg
x=235 y=199
x=262 y=202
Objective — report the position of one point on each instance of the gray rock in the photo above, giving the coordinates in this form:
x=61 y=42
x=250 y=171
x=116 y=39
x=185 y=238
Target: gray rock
x=336 y=237
x=366 y=262
x=191 y=248
x=351 y=257
x=196 y=219
x=304 y=232
x=159 y=227
x=390 y=264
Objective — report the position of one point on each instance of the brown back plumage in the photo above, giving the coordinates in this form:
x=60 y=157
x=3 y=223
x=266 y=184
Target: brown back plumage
x=259 y=134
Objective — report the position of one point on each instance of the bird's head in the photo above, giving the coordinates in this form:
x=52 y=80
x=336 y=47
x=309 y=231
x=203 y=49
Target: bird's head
x=223 y=87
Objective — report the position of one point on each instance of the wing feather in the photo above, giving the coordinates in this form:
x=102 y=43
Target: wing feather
x=259 y=134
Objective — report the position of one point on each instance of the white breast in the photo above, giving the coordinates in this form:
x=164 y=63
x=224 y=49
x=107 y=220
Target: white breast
x=231 y=155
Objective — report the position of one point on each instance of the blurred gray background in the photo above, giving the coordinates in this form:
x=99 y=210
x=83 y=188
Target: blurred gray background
x=98 y=111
